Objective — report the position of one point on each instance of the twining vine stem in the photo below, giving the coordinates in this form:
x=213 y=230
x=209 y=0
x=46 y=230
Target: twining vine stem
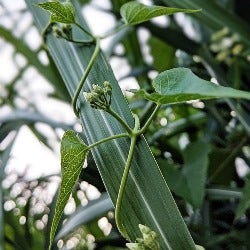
x=120 y=120
x=84 y=77
x=134 y=137
x=113 y=137
x=143 y=129
x=134 y=133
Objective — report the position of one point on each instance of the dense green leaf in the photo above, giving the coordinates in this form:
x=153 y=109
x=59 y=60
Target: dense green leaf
x=60 y=12
x=73 y=155
x=221 y=162
x=135 y=13
x=245 y=199
x=181 y=84
x=189 y=182
x=195 y=170
x=162 y=53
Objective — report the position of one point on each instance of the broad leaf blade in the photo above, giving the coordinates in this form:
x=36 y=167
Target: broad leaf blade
x=162 y=53
x=180 y=84
x=245 y=199
x=190 y=181
x=135 y=13
x=73 y=155
x=60 y=12
x=195 y=171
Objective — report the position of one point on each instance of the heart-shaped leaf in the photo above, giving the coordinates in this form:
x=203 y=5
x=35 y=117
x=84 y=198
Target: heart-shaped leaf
x=73 y=155
x=181 y=84
x=60 y=12
x=135 y=13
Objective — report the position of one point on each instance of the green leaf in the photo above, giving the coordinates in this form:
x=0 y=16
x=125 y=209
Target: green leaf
x=162 y=53
x=245 y=199
x=73 y=154
x=189 y=183
x=181 y=84
x=135 y=13
x=195 y=170
x=60 y=12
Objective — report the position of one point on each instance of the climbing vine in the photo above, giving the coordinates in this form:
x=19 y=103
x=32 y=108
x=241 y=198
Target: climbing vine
x=172 y=86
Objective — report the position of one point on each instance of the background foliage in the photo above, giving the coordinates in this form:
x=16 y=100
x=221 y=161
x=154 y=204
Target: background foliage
x=202 y=148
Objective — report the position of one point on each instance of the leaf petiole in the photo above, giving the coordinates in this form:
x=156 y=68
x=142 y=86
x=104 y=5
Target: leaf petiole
x=145 y=126
x=120 y=120
x=89 y=42
x=108 y=139
x=115 y=30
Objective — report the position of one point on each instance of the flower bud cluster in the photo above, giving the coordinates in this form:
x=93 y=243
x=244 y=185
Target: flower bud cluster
x=99 y=98
x=149 y=240
x=65 y=31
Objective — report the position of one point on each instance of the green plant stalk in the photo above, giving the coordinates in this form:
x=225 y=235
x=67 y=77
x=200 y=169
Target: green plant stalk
x=228 y=159
x=108 y=139
x=147 y=123
x=78 y=41
x=134 y=137
x=85 y=75
x=120 y=120
x=116 y=29
x=212 y=193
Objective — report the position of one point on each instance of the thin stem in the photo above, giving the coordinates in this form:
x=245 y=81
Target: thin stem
x=214 y=193
x=89 y=42
x=120 y=120
x=114 y=31
x=146 y=112
x=84 y=77
x=119 y=223
x=143 y=129
x=108 y=139
x=231 y=156
x=45 y=31
x=84 y=30
x=134 y=137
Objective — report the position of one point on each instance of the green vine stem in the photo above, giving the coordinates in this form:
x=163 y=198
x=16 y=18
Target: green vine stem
x=145 y=126
x=134 y=137
x=45 y=32
x=108 y=139
x=120 y=120
x=116 y=29
x=81 y=42
x=84 y=77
